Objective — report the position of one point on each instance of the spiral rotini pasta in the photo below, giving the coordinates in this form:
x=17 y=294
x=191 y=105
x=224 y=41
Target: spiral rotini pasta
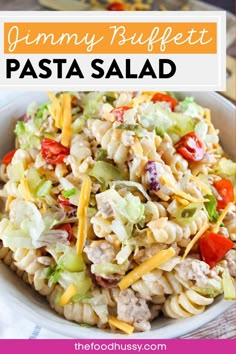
x=80 y=154
x=112 y=140
x=85 y=313
x=101 y=226
x=157 y=284
x=186 y=304
x=119 y=206
x=166 y=231
x=176 y=162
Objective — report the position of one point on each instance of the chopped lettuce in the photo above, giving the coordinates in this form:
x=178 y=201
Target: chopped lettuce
x=210 y=207
x=189 y=107
x=37 y=185
x=160 y=131
x=229 y=286
x=33 y=179
x=20 y=128
x=226 y=168
x=82 y=298
x=181 y=124
x=186 y=102
x=26 y=217
x=134 y=209
x=119 y=230
x=209 y=292
x=13 y=237
x=186 y=214
x=77 y=125
x=129 y=207
x=53 y=274
x=124 y=254
x=71 y=260
x=79 y=279
x=28 y=228
x=154 y=116
x=44 y=189
x=132 y=186
x=41 y=110
x=15 y=172
x=69 y=193
x=201 y=130
x=101 y=155
x=136 y=128
x=91 y=103
x=108 y=268
x=105 y=172
x=111 y=96
x=52 y=217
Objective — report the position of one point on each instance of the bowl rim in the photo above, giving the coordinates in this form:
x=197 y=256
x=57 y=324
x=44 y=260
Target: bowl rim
x=67 y=328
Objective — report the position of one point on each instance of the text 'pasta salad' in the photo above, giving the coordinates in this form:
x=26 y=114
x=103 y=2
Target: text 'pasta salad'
x=119 y=207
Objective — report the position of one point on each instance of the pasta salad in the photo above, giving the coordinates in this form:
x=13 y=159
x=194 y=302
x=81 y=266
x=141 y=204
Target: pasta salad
x=119 y=207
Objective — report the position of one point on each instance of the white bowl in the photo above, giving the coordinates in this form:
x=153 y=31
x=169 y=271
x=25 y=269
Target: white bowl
x=33 y=306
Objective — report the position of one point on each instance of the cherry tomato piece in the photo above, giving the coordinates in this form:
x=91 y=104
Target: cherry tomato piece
x=162 y=97
x=116 y=6
x=119 y=113
x=53 y=152
x=63 y=201
x=8 y=157
x=191 y=147
x=67 y=228
x=213 y=248
x=225 y=189
x=74 y=101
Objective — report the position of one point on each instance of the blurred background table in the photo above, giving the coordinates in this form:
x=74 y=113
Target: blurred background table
x=225 y=325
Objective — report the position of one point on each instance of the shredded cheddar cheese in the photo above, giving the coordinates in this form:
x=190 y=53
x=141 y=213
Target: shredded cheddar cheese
x=67 y=118
x=216 y=227
x=150 y=238
x=181 y=200
x=208 y=121
x=195 y=239
x=10 y=198
x=201 y=185
x=140 y=99
x=123 y=326
x=82 y=213
x=178 y=191
x=146 y=267
x=56 y=110
x=137 y=148
x=52 y=111
x=25 y=189
x=65 y=298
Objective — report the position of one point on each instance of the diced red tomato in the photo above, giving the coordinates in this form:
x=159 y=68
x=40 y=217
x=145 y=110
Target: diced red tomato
x=191 y=147
x=53 y=152
x=213 y=248
x=162 y=97
x=74 y=101
x=119 y=113
x=116 y=6
x=63 y=201
x=8 y=157
x=225 y=189
x=67 y=228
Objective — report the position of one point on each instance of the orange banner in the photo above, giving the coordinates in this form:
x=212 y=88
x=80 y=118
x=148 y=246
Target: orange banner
x=110 y=38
